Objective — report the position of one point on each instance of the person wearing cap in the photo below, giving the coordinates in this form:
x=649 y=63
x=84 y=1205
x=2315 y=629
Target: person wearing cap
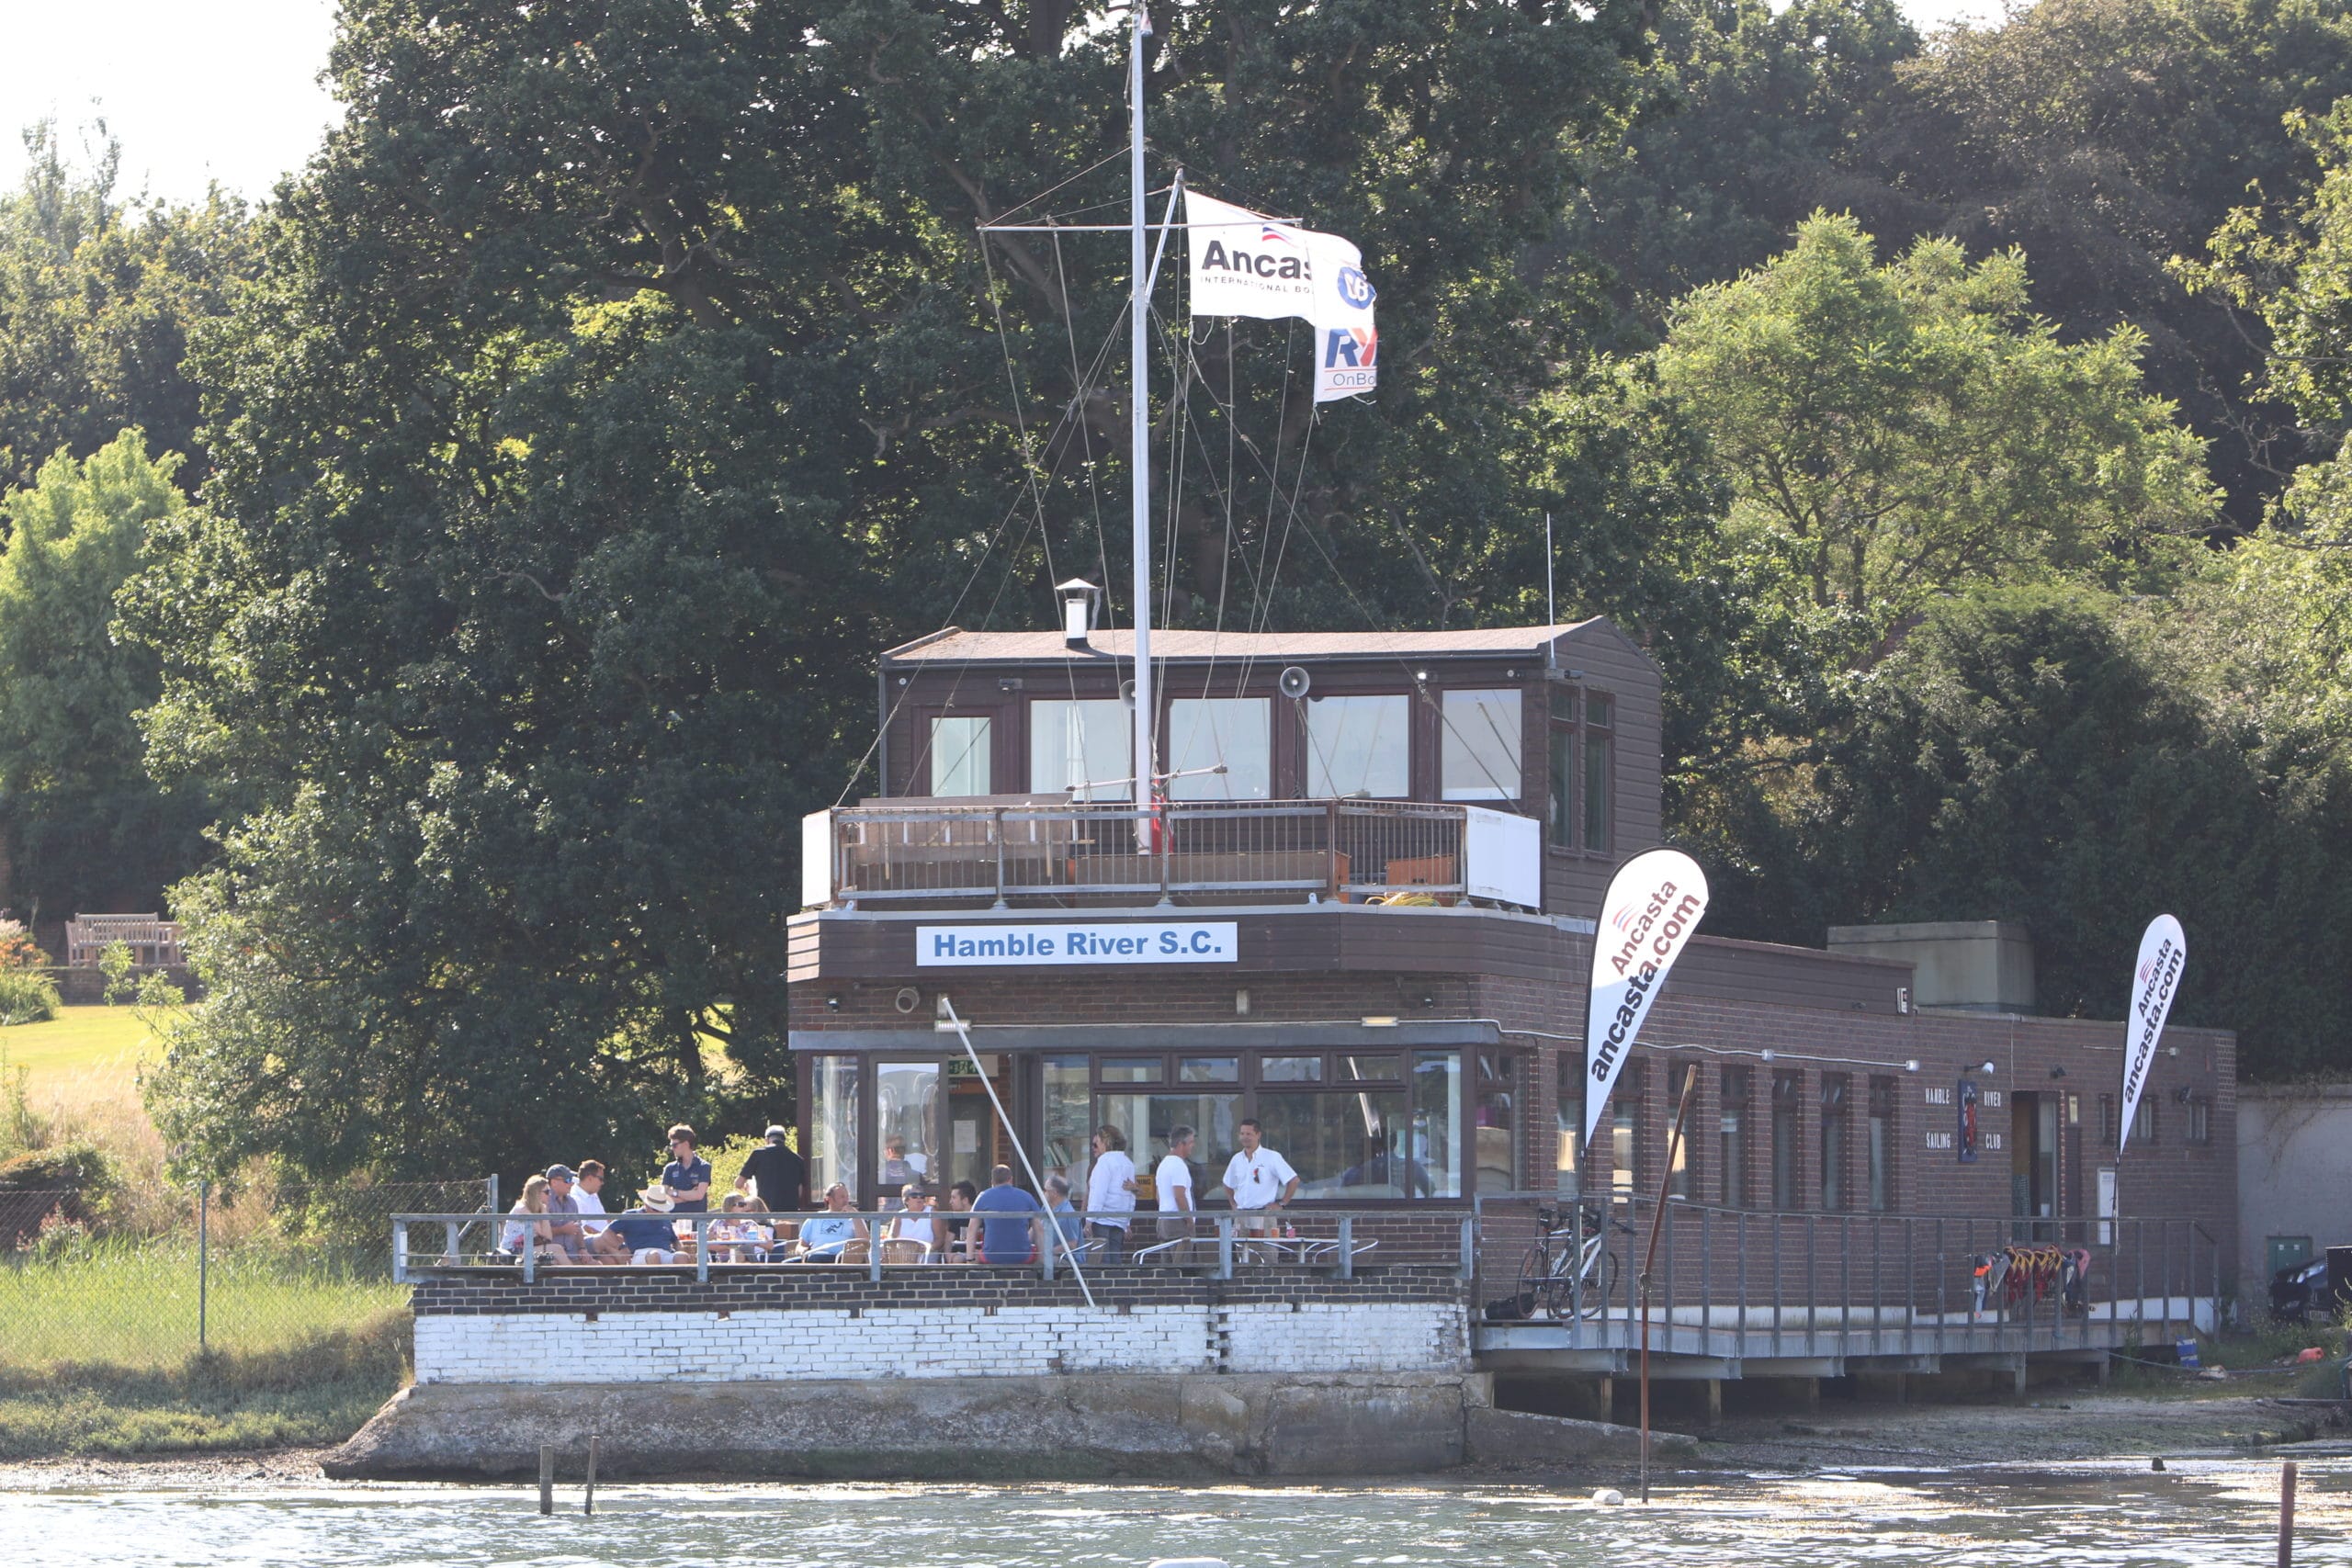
x=562 y=1199
x=775 y=1175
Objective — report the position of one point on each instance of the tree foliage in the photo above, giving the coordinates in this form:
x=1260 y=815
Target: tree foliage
x=97 y=299
x=86 y=826
x=1897 y=433
x=618 y=380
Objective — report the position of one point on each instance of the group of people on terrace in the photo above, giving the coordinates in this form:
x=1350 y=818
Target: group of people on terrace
x=562 y=1217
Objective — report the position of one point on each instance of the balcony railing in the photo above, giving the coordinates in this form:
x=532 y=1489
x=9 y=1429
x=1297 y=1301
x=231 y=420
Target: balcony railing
x=1062 y=855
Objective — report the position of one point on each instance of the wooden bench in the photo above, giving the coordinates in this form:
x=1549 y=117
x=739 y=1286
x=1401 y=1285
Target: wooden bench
x=154 y=942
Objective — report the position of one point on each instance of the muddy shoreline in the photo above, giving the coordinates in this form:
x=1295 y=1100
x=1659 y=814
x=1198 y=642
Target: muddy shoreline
x=2081 y=1426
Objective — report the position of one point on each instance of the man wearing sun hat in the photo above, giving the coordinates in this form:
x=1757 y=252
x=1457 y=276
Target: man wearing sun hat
x=644 y=1234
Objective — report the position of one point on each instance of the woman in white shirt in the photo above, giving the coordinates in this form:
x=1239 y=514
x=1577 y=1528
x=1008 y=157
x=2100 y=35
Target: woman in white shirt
x=1111 y=1191
x=916 y=1225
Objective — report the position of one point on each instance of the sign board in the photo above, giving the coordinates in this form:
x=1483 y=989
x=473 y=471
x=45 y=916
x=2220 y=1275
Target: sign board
x=1502 y=857
x=1099 y=944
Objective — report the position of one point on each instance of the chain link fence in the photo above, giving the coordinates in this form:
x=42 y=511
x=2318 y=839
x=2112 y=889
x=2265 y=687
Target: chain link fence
x=254 y=1269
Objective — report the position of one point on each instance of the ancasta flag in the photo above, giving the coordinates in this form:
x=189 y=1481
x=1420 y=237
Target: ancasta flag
x=1653 y=905
x=1246 y=264
x=2164 y=949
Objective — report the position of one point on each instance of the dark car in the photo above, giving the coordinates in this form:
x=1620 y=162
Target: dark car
x=2298 y=1288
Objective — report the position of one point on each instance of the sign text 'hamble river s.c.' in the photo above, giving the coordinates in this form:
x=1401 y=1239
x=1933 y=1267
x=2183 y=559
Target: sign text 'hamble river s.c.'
x=1105 y=944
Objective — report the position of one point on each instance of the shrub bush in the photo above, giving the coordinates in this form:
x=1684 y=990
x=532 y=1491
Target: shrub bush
x=80 y=1173
x=26 y=995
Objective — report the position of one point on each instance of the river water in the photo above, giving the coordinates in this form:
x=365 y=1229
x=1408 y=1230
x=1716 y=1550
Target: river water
x=2196 y=1515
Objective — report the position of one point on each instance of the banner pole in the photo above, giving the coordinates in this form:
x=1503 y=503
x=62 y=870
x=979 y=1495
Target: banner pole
x=1053 y=1226
x=1649 y=1259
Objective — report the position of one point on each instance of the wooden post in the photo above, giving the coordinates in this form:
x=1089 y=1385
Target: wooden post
x=2287 y=1515
x=1649 y=1259
x=547 y=1478
x=588 y=1499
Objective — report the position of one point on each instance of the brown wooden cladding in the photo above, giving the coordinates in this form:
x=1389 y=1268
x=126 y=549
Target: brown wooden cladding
x=848 y=946
x=1610 y=664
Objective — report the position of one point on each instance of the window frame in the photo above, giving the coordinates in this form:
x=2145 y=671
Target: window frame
x=1597 y=819
x=1485 y=793
x=1308 y=755
x=1035 y=731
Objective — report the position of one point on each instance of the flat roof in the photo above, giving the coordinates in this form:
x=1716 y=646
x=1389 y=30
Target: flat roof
x=955 y=646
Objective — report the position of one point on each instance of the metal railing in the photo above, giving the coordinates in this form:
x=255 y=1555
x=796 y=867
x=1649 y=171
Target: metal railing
x=1759 y=1283
x=1340 y=1244
x=1076 y=854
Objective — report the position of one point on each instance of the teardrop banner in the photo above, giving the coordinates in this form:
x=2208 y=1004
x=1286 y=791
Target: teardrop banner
x=1653 y=905
x=2164 y=949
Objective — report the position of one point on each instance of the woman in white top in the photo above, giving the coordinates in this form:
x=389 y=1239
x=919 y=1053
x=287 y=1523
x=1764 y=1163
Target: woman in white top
x=1111 y=1191
x=916 y=1225
x=534 y=1201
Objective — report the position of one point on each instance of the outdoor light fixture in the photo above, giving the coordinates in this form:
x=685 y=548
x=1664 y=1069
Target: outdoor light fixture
x=1764 y=1056
x=1241 y=1002
x=1912 y=1066
x=833 y=1001
x=1988 y=1069
x=1386 y=1021
x=2057 y=1072
x=1078 y=597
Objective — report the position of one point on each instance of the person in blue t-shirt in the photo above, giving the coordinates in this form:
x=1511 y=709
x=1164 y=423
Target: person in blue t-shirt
x=1057 y=1201
x=688 y=1176
x=645 y=1233
x=1011 y=1225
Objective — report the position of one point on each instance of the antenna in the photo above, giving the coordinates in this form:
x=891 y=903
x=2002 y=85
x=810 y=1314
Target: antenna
x=1551 y=601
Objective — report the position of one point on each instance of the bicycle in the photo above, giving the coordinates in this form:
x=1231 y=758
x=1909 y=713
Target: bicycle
x=1545 y=1277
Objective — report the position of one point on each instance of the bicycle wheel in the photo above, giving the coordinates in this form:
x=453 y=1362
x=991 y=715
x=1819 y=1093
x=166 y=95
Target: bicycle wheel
x=1600 y=1279
x=1536 y=1283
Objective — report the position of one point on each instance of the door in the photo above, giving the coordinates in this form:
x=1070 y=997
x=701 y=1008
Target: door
x=975 y=1139
x=906 y=1127
x=2033 y=1165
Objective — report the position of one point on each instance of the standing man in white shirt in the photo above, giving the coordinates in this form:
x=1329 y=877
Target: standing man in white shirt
x=1173 y=1180
x=1262 y=1182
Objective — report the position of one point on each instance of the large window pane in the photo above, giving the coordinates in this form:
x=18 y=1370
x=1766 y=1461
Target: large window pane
x=1788 y=1111
x=1836 y=1115
x=959 y=756
x=1148 y=1119
x=1733 y=1122
x=1070 y=1115
x=1080 y=743
x=1681 y=1174
x=833 y=1124
x=1207 y=732
x=1437 y=1113
x=1498 y=1122
x=906 y=1118
x=1567 y=1111
x=1597 y=793
x=1345 y=1145
x=1359 y=746
x=1625 y=1170
x=1479 y=749
x=1560 y=812
x=1881 y=1178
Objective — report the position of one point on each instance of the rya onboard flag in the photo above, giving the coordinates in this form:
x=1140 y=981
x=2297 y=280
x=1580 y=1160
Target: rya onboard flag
x=1246 y=264
x=1653 y=905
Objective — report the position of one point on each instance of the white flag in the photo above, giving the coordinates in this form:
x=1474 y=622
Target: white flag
x=1653 y=905
x=2162 y=950
x=1245 y=264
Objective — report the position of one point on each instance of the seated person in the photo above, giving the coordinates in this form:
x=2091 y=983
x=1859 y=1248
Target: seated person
x=645 y=1233
x=824 y=1237
x=1074 y=1229
x=532 y=1205
x=918 y=1224
x=959 y=1203
x=1010 y=1223
x=738 y=1241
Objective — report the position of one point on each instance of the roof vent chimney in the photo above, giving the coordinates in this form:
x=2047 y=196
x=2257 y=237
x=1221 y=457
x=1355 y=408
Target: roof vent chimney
x=1078 y=597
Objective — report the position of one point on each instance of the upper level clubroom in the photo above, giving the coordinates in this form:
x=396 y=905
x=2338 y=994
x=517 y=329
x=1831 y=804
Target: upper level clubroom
x=1513 y=766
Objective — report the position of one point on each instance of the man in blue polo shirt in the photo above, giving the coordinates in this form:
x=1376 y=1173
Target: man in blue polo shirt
x=688 y=1176
x=1009 y=1232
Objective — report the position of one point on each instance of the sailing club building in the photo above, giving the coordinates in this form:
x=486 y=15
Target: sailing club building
x=1362 y=918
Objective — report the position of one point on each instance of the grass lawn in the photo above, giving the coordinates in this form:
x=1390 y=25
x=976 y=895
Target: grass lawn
x=84 y=1054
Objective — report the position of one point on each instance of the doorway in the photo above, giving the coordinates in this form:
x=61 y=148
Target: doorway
x=2034 y=1166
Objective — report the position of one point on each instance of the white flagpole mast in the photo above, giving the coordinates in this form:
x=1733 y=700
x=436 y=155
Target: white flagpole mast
x=1146 y=766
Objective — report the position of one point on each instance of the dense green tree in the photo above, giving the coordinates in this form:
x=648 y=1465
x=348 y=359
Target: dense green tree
x=86 y=828
x=621 y=377
x=1756 y=125
x=2105 y=137
x=1895 y=434
x=97 y=297
x=2028 y=756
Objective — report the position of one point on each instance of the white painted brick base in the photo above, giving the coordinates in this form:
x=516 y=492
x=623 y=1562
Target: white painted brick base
x=758 y=1346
